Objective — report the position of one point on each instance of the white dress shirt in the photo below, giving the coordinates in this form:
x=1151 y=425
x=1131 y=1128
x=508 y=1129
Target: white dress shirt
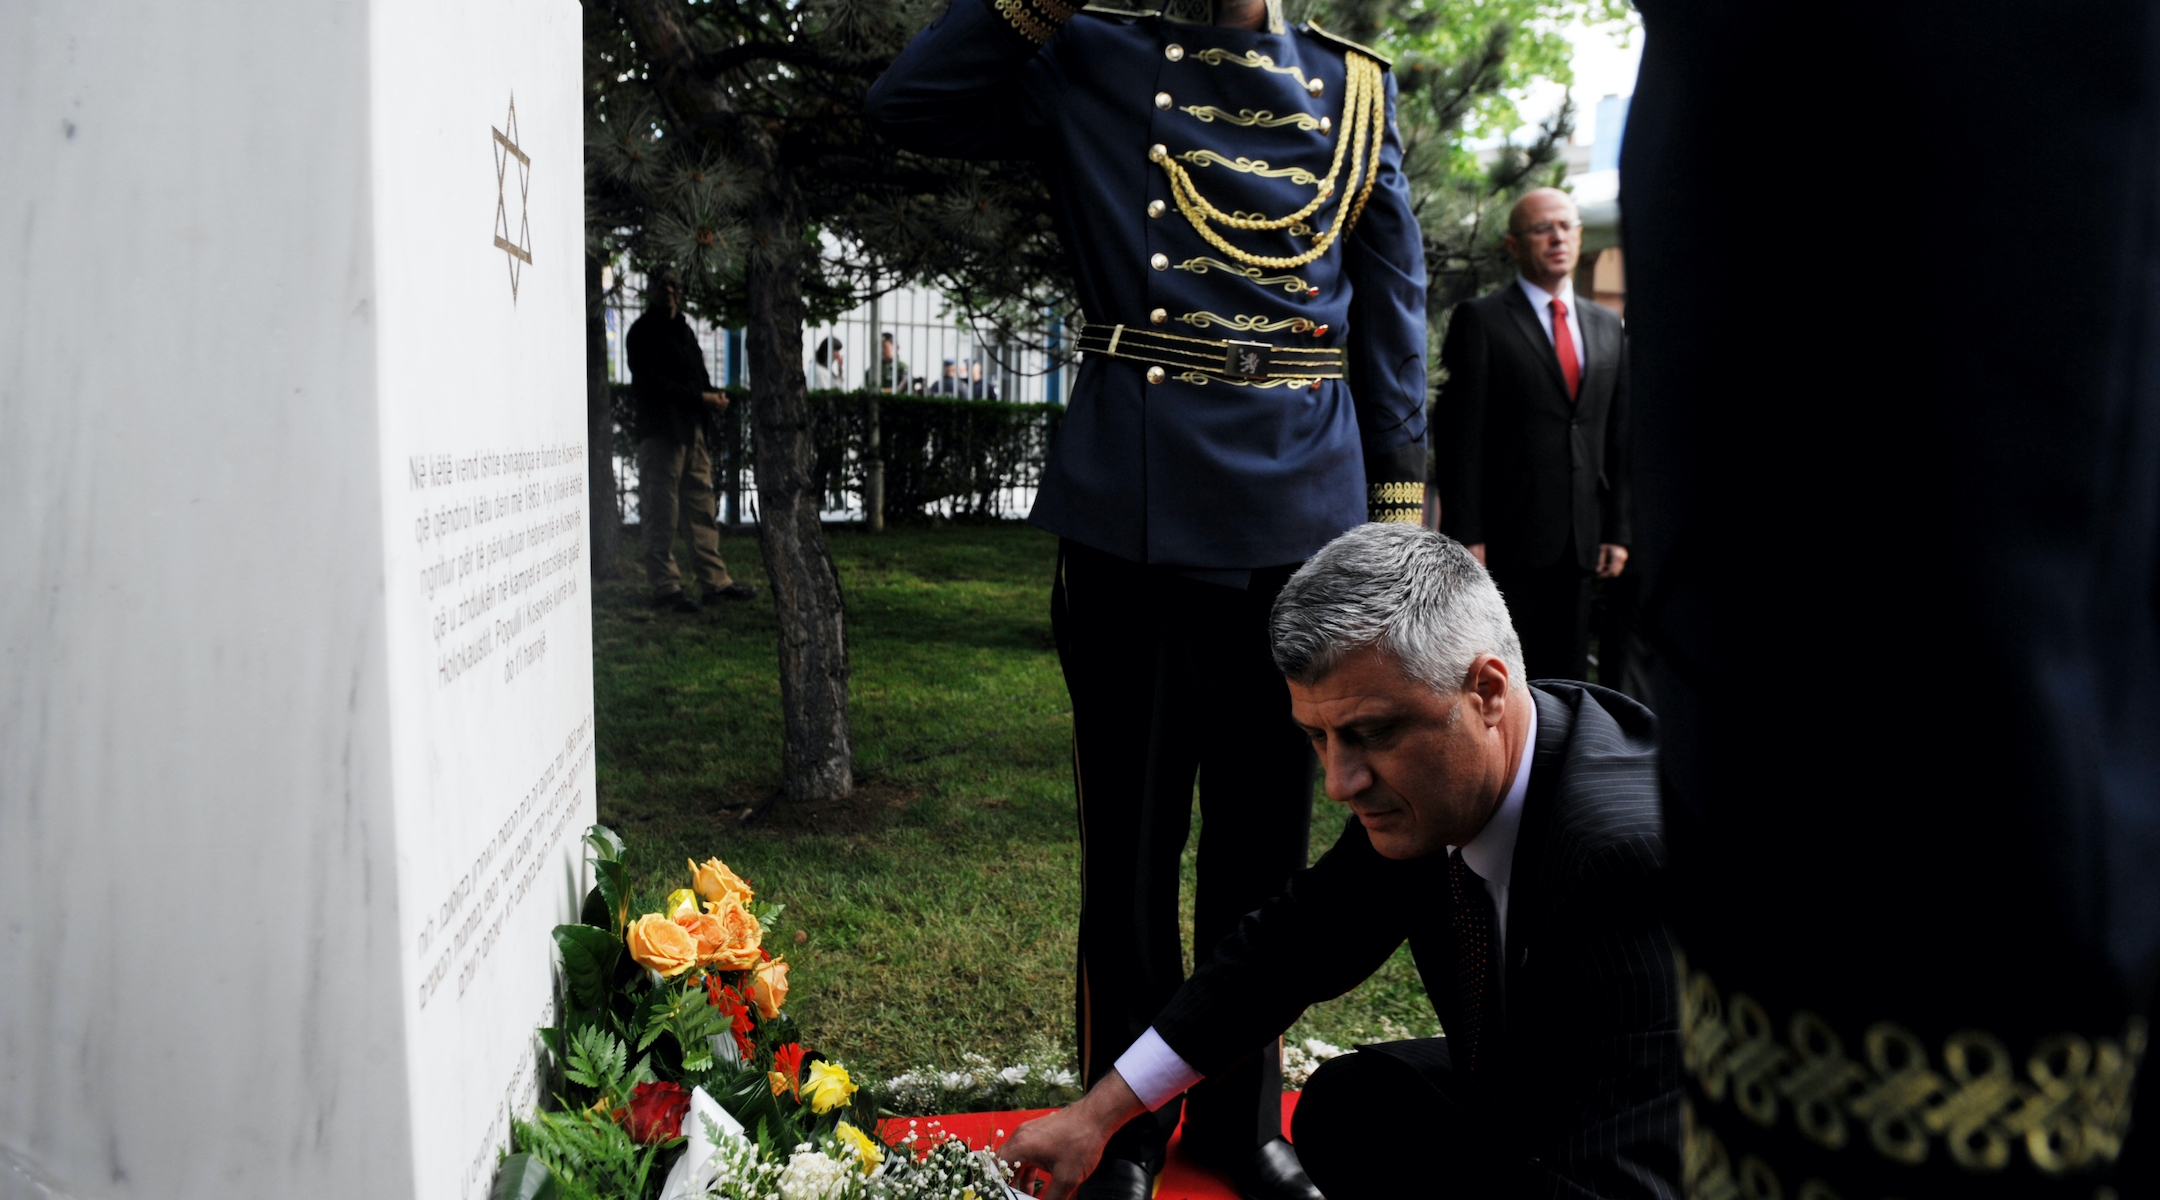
x=1541 y=304
x=1154 y=1071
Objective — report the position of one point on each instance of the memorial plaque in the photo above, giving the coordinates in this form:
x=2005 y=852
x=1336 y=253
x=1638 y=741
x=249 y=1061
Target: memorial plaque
x=296 y=728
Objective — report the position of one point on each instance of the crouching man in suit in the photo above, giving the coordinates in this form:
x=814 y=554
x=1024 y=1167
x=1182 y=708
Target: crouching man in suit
x=1511 y=835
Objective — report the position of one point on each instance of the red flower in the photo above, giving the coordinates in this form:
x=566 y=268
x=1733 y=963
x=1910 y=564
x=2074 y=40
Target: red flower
x=656 y=1111
x=787 y=1063
x=736 y=1010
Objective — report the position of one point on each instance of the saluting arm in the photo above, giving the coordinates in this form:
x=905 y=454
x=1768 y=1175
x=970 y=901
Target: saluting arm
x=973 y=83
x=1385 y=261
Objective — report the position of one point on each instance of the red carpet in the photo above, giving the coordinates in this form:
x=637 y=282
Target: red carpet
x=1180 y=1179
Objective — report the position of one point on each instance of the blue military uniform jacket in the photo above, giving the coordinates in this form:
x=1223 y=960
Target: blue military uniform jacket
x=1165 y=456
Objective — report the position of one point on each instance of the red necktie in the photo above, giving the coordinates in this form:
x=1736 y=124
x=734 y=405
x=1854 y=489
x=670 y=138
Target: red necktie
x=1564 y=345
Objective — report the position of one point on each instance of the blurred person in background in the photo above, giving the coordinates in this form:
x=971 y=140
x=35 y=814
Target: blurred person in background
x=675 y=401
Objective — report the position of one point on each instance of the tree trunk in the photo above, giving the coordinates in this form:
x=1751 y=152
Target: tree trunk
x=599 y=431
x=815 y=760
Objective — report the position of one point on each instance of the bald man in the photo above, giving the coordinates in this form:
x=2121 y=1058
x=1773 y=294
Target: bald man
x=1531 y=446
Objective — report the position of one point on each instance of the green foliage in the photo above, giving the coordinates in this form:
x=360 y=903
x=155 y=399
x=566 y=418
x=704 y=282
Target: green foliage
x=524 y=1177
x=967 y=452
x=589 y=1156
x=599 y=1061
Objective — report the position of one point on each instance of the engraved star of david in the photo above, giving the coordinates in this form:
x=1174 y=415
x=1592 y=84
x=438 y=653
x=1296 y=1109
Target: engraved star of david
x=506 y=148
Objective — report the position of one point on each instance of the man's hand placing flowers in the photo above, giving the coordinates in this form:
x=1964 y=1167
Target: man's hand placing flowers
x=1067 y=1144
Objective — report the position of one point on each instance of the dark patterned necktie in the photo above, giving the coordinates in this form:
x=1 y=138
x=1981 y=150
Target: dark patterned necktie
x=1471 y=916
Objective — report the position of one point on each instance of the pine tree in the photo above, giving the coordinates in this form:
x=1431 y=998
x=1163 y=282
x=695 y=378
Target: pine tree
x=728 y=140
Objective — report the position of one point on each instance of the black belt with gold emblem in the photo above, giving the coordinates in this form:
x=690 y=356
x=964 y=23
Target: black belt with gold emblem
x=1202 y=360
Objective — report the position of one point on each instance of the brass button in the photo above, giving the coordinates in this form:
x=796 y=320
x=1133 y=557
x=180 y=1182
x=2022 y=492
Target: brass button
x=1159 y=315
x=1173 y=52
x=1158 y=152
x=1327 y=125
x=1315 y=87
x=1162 y=99
x=1155 y=208
x=1160 y=262
x=1154 y=374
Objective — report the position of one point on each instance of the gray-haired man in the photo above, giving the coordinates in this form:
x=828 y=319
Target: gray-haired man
x=1511 y=835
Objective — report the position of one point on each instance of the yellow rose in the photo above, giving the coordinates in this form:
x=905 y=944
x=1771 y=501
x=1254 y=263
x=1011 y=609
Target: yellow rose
x=768 y=988
x=828 y=1086
x=718 y=884
x=739 y=937
x=680 y=901
x=864 y=1146
x=658 y=944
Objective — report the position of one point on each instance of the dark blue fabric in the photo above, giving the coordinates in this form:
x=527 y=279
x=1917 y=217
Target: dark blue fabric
x=1202 y=475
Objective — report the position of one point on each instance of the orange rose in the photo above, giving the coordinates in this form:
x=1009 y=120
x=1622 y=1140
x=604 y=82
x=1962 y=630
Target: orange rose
x=710 y=936
x=740 y=935
x=718 y=884
x=768 y=988
x=658 y=944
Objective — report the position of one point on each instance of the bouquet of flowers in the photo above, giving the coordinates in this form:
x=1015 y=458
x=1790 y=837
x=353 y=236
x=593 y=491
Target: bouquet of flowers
x=679 y=1074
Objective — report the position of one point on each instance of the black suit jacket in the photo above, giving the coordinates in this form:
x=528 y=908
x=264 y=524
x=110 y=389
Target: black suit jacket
x=667 y=373
x=1585 y=1073
x=1521 y=468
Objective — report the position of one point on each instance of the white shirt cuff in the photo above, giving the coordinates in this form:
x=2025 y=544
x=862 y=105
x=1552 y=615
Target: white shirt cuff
x=1154 y=1071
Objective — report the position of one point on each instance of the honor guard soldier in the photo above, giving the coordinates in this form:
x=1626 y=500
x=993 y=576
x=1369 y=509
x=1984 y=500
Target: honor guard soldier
x=1253 y=384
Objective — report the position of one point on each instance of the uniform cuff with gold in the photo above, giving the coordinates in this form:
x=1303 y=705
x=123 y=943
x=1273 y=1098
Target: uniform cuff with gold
x=1036 y=20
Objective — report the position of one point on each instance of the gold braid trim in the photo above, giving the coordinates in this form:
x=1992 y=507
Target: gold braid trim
x=1365 y=125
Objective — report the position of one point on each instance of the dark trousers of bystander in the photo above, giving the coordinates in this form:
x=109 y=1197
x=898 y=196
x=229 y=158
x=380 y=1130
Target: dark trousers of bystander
x=675 y=484
x=1171 y=678
x=1395 y=1119
x=1551 y=609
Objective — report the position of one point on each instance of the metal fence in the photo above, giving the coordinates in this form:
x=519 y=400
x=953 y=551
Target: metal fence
x=935 y=352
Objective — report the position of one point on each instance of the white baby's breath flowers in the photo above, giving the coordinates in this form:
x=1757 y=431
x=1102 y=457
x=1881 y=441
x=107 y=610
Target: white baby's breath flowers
x=815 y=1175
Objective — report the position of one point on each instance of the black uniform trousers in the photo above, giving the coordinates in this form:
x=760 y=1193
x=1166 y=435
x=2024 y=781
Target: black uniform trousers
x=1171 y=678
x=1395 y=1119
x=1550 y=606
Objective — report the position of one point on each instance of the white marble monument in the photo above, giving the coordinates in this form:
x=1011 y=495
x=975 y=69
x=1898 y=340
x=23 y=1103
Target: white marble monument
x=296 y=730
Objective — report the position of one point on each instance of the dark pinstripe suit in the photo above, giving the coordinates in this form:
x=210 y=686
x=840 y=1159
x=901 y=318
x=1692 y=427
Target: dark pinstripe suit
x=1581 y=1097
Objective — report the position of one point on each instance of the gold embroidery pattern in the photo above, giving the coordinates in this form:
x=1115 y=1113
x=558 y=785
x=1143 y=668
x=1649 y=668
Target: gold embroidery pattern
x=2069 y=1110
x=1202 y=265
x=1251 y=58
x=1707 y=1171
x=1250 y=166
x=1400 y=503
x=1038 y=23
x=1248 y=118
x=1364 y=127
x=1204 y=380
x=1247 y=324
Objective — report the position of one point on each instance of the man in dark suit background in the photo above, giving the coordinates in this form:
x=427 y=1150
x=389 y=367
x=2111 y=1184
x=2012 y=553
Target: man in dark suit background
x=1533 y=448
x=1511 y=834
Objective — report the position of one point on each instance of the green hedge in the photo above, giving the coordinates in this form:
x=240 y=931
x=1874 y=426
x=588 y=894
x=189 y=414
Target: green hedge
x=936 y=450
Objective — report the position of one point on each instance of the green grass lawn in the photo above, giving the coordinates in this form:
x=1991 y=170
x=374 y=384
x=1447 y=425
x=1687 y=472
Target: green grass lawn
x=935 y=909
